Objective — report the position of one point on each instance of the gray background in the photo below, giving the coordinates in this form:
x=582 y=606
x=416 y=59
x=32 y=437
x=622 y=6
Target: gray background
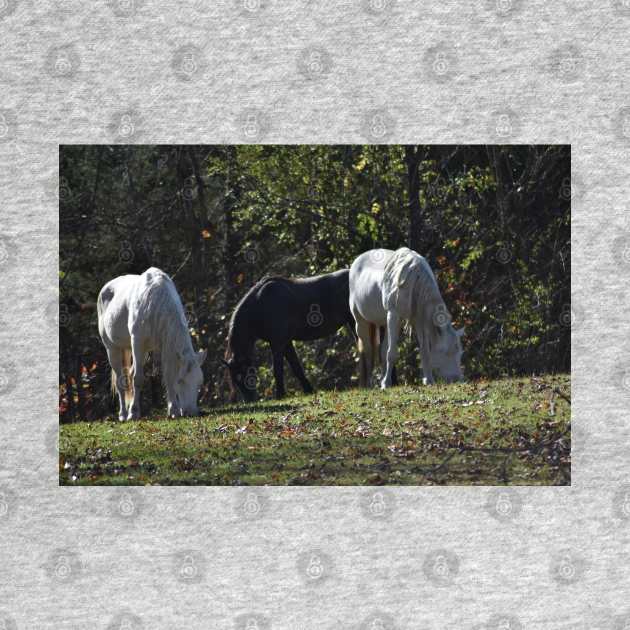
x=304 y=72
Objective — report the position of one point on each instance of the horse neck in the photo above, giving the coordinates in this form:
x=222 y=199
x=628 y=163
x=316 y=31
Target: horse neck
x=175 y=343
x=426 y=298
x=241 y=339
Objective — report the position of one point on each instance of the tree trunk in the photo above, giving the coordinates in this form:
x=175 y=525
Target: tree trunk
x=228 y=245
x=412 y=160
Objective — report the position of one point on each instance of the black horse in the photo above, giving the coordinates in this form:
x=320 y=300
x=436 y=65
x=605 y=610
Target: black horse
x=279 y=310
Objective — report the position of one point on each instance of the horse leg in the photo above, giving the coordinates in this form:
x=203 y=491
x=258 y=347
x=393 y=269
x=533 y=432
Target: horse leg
x=382 y=332
x=172 y=409
x=278 y=369
x=366 y=350
x=393 y=328
x=119 y=382
x=296 y=366
x=138 y=377
x=383 y=335
x=425 y=355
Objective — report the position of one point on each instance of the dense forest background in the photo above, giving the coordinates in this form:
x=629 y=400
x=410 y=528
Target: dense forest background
x=493 y=221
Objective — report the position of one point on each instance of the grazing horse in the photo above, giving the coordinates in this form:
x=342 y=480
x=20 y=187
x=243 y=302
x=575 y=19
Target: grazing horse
x=279 y=310
x=141 y=314
x=387 y=287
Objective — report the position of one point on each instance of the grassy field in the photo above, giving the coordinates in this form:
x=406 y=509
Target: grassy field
x=509 y=431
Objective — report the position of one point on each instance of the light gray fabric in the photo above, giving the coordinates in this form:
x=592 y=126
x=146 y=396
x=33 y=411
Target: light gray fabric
x=303 y=72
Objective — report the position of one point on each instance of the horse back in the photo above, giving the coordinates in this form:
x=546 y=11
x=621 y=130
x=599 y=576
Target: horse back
x=304 y=308
x=133 y=304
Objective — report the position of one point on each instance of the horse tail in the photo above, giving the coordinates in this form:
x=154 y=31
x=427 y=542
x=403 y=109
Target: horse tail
x=127 y=361
x=374 y=342
x=365 y=364
x=128 y=380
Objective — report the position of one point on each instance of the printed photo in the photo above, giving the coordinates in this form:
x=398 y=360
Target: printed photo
x=246 y=315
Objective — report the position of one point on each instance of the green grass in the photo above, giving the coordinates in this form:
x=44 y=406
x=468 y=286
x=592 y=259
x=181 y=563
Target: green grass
x=404 y=435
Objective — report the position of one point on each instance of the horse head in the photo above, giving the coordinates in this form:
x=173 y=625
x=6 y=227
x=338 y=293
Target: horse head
x=187 y=384
x=446 y=354
x=242 y=377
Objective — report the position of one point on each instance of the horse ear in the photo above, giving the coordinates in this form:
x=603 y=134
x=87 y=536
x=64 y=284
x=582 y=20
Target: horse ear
x=460 y=332
x=201 y=356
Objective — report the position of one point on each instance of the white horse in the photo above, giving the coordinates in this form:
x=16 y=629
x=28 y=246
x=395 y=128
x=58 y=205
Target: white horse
x=387 y=287
x=141 y=314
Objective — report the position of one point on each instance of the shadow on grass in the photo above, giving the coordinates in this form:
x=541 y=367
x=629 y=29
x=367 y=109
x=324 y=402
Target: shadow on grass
x=251 y=408
x=210 y=412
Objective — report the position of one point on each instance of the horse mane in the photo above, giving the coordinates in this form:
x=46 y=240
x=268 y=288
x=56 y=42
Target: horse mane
x=163 y=310
x=407 y=275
